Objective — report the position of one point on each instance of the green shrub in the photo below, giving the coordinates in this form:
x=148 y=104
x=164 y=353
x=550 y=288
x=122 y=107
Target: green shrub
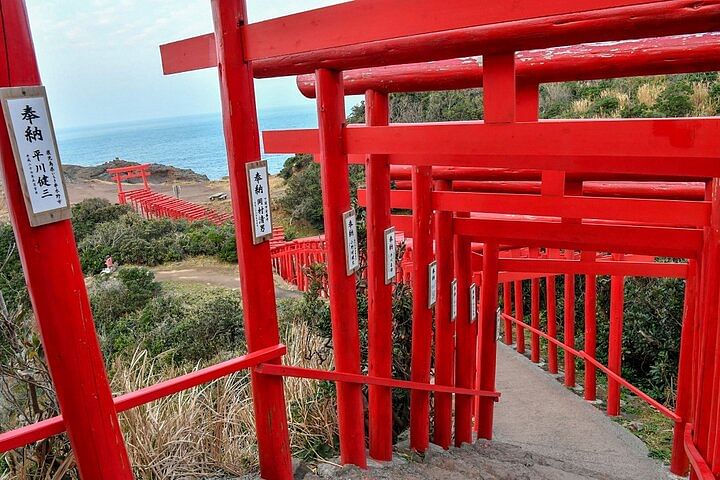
x=180 y=328
x=295 y=164
x=89 y=213
x=675 y=101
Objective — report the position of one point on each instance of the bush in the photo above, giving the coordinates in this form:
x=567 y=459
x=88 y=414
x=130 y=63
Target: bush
x=675 y=101
x=91 y=212
x=295 y=164
x=181 y=328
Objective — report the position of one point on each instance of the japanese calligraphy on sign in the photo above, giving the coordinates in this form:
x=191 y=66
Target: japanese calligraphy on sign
x=390 y=248
x=259 y=197
x=453 y=301
x=473 y=303
x=30 y=127
x=352 y=254
x=432 y=284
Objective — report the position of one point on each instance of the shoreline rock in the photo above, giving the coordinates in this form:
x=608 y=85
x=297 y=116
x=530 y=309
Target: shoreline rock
x=158 y=173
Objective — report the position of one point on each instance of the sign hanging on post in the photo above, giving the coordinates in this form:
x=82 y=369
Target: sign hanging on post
x=390 y=265
x=259 y=196
x=32 y=136
x=473 y=303
x=432 y=284
x=352 y=255
x=453 y=301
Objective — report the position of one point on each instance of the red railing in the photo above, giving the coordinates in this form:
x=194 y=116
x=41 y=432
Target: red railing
x=156 y=205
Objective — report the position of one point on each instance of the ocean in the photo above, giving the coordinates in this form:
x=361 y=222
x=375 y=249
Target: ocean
x=194 y=142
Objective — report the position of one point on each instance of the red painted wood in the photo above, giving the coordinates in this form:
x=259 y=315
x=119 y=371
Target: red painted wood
x=535 y=319
x=680 y=213
x=569 y=327
x=647 y=56
x=679 y=462
x=256 y=277
x=194 y=53
x=519 y=314
x=551 y=301
x=422 y=316
x=649 y=20
x=57 y=289
x=444 y=324
x=300 y=372
x=373 y=20
x=343 y=301
x=507 y=309
x=590 y=392
x=380 y=340
x=487 y=338
x=672 y=242
x=628 y=269
x=465 y=338
x=617 y=299
x=667 y=147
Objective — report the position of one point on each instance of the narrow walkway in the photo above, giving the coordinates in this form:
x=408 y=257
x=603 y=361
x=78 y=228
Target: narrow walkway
x=543 y=417
x=542 y=432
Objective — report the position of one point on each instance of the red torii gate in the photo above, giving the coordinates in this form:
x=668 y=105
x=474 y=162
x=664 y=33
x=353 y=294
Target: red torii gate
x=343 y=37
x=642 y=57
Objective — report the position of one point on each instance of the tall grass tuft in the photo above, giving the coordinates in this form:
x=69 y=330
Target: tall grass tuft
x=209 y=430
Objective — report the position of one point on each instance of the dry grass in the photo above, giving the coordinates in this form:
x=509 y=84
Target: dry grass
x=581 y=107
x=209 y=430
x=648 y=93
x=703 y=105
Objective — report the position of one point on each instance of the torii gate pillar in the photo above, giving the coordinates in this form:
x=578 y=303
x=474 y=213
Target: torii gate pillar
x=57 y=289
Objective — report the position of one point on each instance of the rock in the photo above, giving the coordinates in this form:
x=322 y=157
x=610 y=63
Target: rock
x=158 y=173
x=300 y=469
x=327 y=470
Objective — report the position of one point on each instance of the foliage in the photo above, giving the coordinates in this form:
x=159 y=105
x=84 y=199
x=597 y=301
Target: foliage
x=131 y=239
x=181 y=327
x=302 y=199
x=93 y=211
x=12 y=281
x=295 y=164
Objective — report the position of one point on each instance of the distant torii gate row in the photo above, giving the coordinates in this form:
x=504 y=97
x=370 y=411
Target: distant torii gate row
x=368 y=33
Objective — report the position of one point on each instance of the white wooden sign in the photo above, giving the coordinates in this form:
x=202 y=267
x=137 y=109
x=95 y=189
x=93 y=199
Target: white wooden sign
x=453 y=301
x=473 y=303
x=352 y=255
x=390 y=247
x=259 y=196
x=432 y=284
x=32 y=135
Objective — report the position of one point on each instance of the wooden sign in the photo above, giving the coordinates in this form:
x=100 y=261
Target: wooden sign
x=390 y=264
x=352 y=254
x=473 y=303
x=259 y=197
x=454 y=300
x=32 y=136
x=432 y=284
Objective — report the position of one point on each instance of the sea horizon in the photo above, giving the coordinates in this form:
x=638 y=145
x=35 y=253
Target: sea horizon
x=190 y=141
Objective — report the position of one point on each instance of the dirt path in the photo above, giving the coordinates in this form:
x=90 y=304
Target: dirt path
x=206 y=271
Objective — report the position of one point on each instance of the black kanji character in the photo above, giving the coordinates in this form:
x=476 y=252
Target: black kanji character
x=44 y=181
x=33 y=134
x=29 y=114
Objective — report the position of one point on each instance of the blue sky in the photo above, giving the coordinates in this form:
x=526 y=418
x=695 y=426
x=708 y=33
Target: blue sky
x=100 y=60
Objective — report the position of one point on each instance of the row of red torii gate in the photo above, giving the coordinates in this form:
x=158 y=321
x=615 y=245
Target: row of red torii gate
x=496 y=201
